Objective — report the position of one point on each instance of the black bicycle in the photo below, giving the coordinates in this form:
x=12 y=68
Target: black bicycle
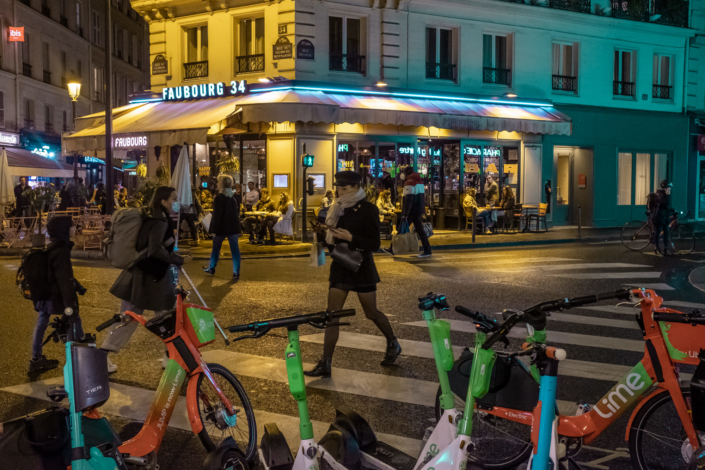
x=637 y=235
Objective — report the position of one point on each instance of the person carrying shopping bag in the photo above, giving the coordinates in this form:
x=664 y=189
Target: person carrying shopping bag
x=225 y=224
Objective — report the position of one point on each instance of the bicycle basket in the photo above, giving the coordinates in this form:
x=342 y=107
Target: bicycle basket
x=201 y=324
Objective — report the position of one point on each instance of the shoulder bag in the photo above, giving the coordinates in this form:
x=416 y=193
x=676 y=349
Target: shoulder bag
x=350 y=259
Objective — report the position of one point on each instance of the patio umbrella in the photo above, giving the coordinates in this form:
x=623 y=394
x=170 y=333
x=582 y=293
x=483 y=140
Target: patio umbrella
x=7 y=193
x=182 y=182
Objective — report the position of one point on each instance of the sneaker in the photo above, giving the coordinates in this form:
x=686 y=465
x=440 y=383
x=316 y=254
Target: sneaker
x=209 y=270
x=393 y=351
x=236 y=277
x=424 y=255
x=389 y=251
x=42 y=363
x=322 y=369
x=111 y=367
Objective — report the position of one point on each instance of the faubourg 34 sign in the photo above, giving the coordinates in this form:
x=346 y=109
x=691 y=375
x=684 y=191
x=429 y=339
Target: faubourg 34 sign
x=204 y=90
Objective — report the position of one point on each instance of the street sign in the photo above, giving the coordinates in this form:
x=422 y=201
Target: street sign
x=160 y=66
x=307 y=161
x=16 y=34
x=282 y=49
x=305 y=50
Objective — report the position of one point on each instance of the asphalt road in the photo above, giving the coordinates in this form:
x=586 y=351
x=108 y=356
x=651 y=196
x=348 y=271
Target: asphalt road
x=485 y=280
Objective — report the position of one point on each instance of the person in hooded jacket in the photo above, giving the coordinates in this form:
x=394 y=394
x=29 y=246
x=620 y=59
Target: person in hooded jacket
x=660 y=215
x=151 y=283
x=414 y=207
x=63 y=288
x=225 y=224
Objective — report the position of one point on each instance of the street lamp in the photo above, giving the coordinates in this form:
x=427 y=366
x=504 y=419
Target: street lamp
x=74 y=92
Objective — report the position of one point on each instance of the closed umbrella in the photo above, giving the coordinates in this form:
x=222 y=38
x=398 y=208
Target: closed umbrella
x=7 y=193
x=182 y=182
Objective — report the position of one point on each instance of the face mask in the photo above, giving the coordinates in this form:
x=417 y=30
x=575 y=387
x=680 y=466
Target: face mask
x=175 y=206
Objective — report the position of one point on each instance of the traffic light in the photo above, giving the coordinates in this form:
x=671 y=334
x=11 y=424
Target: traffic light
x=307 y=160
x=309 y=185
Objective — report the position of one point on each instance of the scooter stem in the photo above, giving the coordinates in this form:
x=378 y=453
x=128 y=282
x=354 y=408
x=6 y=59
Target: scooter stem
x=297 y=383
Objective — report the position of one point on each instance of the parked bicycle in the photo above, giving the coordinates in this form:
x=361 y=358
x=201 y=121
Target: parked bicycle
x=637 y=235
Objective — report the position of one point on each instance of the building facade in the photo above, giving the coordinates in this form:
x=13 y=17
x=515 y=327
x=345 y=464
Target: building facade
x=617 y=73
x=64 y=40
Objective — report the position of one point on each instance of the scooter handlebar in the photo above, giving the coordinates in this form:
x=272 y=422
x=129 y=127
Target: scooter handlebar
x=116 y=319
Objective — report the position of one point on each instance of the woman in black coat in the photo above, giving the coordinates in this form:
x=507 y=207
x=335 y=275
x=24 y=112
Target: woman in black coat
x=225 y=224
x=355 y=221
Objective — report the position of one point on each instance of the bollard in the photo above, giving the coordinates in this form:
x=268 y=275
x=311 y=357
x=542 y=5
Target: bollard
x=580 y=220
x=474 y=218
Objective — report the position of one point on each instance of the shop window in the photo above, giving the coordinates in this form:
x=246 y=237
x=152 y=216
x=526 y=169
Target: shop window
x=196 y=63
x=662 y=87
x=563 y=180
x=660 y=169
x=495 y=59
x=345 y=45
x=643 y=178
x=95 y=28
x=439 y=54
x=472 y=157
x=250 y=57
x=254 y=162
x=624 y=179
x=624 y=73
x=2 y=110
x=347 y=156
x=565 y=61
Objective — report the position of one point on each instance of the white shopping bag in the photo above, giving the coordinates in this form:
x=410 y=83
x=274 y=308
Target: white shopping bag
x=318 y=256
x=207 y=221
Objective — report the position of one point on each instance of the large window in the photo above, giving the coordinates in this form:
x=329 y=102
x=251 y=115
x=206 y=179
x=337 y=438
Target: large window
x=117 y=41
x=624 y=180
x=635 y=180
x=495 y=59
x=662 y=86
x=48 y=118
x=26 y=57
x=98 y=83
x=565 y=77
x=345 y=44
x=63 y=69
x=79 y=18
x=29 y=114
x=439 y=54
x=196 y=64
x=46 y=62
x=624 y=73
x=250 y=56
x=2 y=110
x=95 y=28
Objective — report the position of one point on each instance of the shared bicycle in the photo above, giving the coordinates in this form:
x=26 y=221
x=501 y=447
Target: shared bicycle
x=637 y=235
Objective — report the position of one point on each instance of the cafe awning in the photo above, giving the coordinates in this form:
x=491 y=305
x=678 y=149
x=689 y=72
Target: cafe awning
x=22 y=162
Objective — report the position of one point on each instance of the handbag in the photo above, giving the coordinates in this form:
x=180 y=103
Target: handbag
x=350 y=259
x=318 y=256
x=428 y=229
x=400 y=244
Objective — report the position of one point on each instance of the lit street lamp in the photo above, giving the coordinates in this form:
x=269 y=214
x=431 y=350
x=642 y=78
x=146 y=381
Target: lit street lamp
x=74 y=92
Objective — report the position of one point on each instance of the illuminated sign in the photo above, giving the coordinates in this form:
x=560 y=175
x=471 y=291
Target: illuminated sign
x=133 y=173
x=342 y=147
x=93 y=160
x=307 y=161
x=204 y=90
x=346 y=165
x=44 y=152
x=487 y=151
x=16 y=34
x=420 y=151
x=130 y=142
x=8 y=138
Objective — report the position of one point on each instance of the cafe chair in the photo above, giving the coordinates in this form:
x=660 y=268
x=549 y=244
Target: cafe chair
x=385 y=228
x=469 y=214
x=538 y=217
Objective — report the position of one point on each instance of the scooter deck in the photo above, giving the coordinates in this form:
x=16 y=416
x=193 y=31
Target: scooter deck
x=389 y=456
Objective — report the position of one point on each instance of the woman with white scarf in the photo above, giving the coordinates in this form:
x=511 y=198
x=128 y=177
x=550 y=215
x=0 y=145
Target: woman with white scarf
x=355 y=221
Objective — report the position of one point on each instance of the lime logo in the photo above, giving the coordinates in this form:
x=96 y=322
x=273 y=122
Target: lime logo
x=202 y=325
x=432 y=452
x=313 y=467
x=636 y=381
x=445 y=340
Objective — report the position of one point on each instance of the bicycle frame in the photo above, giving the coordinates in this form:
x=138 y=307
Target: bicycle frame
x=185 y=362
x=655 y=373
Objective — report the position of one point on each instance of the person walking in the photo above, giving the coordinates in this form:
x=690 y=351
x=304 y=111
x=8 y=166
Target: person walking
x=355 y=221
x=660 y=215
x=151 y=283
x=225 y=224
x=414 y=207
x=21 y=202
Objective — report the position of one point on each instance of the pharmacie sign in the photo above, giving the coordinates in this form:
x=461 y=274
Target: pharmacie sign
x=205 y=90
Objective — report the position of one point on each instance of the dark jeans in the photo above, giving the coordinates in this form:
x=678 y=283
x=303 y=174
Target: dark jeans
x=658 y=228
x=234 y=249
x=268 y=224
x=191 y=220
x=417 y=220
x=250 y=224
x=44 y=310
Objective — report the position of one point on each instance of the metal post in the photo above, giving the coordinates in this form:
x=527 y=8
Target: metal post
x=304 y=207
x=474 y=218
x=195 y=168
x=75 y=155
x=109 y=106
x=580 y=221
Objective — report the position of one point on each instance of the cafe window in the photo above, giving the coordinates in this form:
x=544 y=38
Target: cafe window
x=197 y=44
x=346 y=156
x=439 y=54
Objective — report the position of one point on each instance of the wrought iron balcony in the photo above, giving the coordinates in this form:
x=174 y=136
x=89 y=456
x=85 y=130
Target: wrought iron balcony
x=48 y=127
x=582 y=6
x=440 y=71
x=564 y=83
x=347 y=63
x=47 y=77
x=195 y=70
x=666 y=12
x=662 y=92
x=250 y=63
x=28 y=124
x=26 y=70
x=623 y=88
x=497 y=76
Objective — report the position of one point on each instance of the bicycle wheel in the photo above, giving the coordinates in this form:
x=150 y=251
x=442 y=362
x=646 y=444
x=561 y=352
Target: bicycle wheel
x=636 y=235
x=211 y=412
x=499 y=443
x=657 y=438
x=682 y=239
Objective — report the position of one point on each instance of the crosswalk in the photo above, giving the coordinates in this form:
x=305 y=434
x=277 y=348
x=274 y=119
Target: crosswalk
x=406 y=390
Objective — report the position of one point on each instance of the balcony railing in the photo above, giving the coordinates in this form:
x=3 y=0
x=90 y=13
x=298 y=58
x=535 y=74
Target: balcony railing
x=347 y=63
x=47 y=77
x=564 y=83
x=46 y=11
x=662 y=92
x=195 y=70
x=440 y=71
x=250 y=63
x=666 y=12
x=497 y=76
x=623 y=88
x=26 y=70
x=64 y=21
x=582 y=6
x=48 y=127
x=28 y=124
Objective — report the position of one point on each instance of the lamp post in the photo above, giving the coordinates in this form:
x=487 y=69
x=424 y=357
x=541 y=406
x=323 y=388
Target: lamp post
x=74 y=92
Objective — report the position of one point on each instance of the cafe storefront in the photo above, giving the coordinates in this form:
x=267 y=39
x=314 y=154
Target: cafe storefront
x=453 y=141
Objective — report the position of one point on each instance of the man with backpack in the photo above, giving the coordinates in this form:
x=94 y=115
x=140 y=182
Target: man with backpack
x=659 y=207
x=48 y=273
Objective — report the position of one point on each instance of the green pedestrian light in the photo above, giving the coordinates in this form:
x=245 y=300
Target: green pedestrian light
x=307 y=161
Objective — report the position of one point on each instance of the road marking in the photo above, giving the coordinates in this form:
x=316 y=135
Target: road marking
x=613 y=309
x=134 y=403
x=655 y=286
x=451 y=263
x=626 y=275
x=678 y=303
x=587 y=320
x=575 y=266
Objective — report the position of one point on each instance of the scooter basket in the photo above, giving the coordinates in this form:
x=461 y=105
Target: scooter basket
x=39 y=441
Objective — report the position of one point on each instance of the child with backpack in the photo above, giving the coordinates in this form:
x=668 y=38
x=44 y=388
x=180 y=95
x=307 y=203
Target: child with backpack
x=48 y=275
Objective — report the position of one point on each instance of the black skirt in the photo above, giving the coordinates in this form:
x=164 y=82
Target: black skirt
x=360 y=289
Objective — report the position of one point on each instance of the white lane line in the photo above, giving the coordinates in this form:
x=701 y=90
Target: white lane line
x=587 y=320
x=134 y=403
x=576 y=266
x=678 y=303
x=472 y=262
x=655 y=286
x=613 y=309
x=626 y=275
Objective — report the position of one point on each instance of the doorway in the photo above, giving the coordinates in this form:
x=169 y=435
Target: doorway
x=572 y=197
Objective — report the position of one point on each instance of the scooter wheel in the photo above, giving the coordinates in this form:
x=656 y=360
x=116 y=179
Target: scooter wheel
x=226 y=458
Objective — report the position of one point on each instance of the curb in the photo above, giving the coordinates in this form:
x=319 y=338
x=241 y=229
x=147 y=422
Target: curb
x=697 y=278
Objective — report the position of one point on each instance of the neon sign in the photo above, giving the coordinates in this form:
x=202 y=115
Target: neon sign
x=486 y=151
x=93 y=160
x=204 y=90
x=9 y=138
x=420 y=151
x=129 y=142
x=342 y=147
x=43 y=152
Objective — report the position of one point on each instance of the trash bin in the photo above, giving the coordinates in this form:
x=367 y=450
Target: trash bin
x=440 y=214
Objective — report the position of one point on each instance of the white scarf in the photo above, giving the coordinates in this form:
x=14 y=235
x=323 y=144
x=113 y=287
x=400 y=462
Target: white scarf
x=338 y=207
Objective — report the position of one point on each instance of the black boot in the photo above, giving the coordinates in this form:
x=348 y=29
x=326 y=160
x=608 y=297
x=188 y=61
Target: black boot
x=322 y=369
x=209 y=270
x=393 y=351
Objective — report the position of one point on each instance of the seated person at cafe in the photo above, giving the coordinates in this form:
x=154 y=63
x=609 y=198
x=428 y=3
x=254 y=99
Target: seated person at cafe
x=326 y=202
x=251 y=196
x=491 y=190
x=281 y=219
x=386 y=208
x=250 y=223
x=507 y=204
x=469 y=204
